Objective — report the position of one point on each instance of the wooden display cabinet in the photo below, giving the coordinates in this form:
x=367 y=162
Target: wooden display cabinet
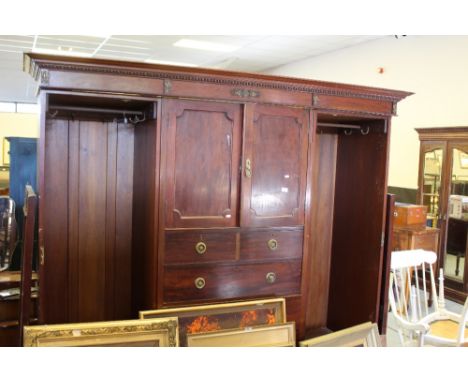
x=443 y=175
x=166 y=186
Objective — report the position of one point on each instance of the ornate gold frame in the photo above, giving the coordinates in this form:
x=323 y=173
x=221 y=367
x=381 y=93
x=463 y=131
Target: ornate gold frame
x=365 y=335
x=265 y=335
x=278 y=304
x=160 y=332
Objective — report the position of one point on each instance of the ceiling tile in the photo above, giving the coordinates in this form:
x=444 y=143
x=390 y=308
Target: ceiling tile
x=256 y=53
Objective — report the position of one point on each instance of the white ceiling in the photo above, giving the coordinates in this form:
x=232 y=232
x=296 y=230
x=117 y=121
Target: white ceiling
x=250 y=54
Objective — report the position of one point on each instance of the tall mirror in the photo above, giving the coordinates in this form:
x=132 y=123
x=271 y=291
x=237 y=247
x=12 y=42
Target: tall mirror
x=432 y=185
x=457 y=227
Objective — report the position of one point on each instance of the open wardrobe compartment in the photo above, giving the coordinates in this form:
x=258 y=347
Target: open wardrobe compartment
x=348 y=218
x=164 y=186
x=95 y=153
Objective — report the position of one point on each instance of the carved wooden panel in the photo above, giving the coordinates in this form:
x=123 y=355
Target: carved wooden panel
x=274 y=168
x=202 y=150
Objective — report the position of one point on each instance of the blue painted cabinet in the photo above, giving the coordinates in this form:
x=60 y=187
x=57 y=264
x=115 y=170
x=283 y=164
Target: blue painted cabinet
x=23 y=167
x=23 y=170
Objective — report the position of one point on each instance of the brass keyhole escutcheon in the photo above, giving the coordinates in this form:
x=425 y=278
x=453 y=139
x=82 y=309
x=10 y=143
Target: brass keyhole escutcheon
x=200 y=282
x=248 y=168
x=273 y=244
x=200 y=247
x=270 y=277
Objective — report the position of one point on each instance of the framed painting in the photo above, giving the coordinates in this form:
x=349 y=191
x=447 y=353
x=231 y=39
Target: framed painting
x=159 y=332
x=364 y=335
x=265 y=335
x=236 y=315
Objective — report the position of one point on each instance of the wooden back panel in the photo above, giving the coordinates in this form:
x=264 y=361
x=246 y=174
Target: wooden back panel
x=87 y=210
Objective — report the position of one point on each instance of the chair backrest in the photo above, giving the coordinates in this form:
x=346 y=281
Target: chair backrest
x=29 y=208
x=412 y=283
x=8 y=231
x=409 y=291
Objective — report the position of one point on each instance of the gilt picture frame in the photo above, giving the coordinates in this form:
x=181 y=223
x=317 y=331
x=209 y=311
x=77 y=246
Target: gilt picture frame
x=234 y=315
x=363 y=335
x=258 y=336
x=159 y=332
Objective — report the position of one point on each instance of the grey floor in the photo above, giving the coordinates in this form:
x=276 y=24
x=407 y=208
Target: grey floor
x=392 y=335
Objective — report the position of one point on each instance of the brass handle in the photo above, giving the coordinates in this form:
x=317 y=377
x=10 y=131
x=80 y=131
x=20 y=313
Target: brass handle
x=200 y=247
x=248 y=168
x=200 y=282
x=42 y=256
x=270 y=277
x=273 y=244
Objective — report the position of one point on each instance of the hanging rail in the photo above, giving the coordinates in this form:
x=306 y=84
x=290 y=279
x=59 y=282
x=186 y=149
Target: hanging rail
x=338 y=125
x=96 y=110
x=348 y=129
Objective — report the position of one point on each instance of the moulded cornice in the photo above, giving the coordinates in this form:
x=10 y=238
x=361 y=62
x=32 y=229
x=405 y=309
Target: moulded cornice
x=442 y=133
x=36 y=65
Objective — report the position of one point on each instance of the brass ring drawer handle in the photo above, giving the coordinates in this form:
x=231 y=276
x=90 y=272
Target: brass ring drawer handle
x=273 y=244
x=200 y=247
x=200 y=282
x=270 y=277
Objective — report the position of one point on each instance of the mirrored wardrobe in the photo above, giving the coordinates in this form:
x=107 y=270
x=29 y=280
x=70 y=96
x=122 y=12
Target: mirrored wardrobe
x=443 y=188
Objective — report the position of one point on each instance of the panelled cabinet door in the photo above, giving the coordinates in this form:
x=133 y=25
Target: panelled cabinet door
x=274 y=166
x=201 y=159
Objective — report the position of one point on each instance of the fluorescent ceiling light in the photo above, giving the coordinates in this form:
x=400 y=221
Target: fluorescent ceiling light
x=7 y=107
x=150 y=61
x=205 y=45
x=63 y=52
x=27 y=108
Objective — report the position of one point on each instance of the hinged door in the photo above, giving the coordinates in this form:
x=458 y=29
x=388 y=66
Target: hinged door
x=201 y=146
x=274 y=166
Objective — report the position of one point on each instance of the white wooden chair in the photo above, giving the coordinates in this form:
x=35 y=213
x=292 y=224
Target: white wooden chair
x=411 y=278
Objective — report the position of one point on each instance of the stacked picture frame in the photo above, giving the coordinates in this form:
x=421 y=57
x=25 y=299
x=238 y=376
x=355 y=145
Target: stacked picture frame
x=246 y=324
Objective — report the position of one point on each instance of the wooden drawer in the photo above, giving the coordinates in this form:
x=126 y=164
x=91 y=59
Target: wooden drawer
x=428 y=242
x=200 y=283
x=181 y=246
x=271 y=244
x=405 y=238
